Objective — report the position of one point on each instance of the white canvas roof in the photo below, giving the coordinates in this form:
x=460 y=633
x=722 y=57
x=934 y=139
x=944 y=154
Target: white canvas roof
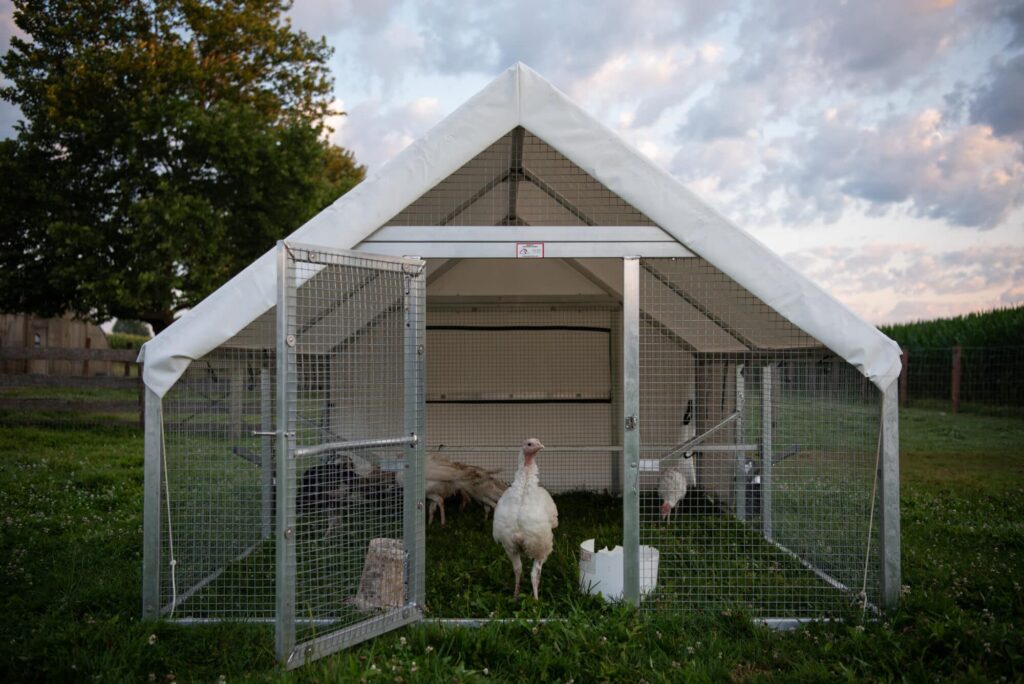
x=521 y=97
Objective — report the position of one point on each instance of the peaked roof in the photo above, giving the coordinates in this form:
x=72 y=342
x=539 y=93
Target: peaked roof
x=521 y=97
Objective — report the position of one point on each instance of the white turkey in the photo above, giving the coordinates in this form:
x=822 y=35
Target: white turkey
x=674 y=482
x=444 y=478
x=526 y=516
x=676 y=479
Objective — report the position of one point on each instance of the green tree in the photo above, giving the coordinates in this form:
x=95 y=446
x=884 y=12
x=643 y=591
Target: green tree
x=165 y=144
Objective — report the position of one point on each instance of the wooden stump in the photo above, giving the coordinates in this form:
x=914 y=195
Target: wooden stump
x=383 y=582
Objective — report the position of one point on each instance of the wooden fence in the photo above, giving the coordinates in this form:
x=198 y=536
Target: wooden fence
x=78 y=408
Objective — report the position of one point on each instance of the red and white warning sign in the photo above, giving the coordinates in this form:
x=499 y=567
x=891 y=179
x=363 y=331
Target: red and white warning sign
x=529 y=250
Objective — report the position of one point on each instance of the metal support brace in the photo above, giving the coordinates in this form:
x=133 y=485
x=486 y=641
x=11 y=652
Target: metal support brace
x=354 y=445
x=889 y=498
x=151 y=509
x=284 y=625
x=631 y=435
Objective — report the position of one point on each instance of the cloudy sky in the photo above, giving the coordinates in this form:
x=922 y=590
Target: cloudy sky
x=878 y=145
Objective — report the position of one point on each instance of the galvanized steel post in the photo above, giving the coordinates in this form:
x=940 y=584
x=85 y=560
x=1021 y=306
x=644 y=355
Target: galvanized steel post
x=153 y=473
x=284 y=625
x=766 y=451
x=889 y=498
x=631 y=434
x=415 y=351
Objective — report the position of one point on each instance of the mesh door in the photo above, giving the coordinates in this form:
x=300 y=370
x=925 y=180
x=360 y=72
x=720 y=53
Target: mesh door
x=352 y=380
x=292 y=465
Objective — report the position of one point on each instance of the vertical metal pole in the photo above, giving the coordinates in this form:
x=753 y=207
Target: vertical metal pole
x=153 y=473
x=284 y=626
x=415 y=420
x=614 y=360
x=266 y=454
x=766 y=451
x=740 y=464
x=631 y=435
x=889 y=498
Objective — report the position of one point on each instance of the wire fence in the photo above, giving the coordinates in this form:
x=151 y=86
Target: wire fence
x=970 y=379
x=984 y=380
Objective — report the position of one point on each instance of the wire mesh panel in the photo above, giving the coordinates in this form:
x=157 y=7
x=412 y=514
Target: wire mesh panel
x=353 y=340
x=217 y=494
x=520 y=180
x=758 y=454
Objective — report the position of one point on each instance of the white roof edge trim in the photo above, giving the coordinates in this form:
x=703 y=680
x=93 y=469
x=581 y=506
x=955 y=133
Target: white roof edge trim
x=552 y=116
x=519 y=96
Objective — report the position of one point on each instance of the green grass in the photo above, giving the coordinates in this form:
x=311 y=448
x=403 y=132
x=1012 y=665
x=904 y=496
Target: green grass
x=70 y=585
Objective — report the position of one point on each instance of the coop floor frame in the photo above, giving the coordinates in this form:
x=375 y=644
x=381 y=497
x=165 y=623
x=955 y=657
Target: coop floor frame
x=568 y=247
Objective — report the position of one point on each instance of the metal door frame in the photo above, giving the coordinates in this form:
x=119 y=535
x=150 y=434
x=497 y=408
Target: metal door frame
x=287 y=650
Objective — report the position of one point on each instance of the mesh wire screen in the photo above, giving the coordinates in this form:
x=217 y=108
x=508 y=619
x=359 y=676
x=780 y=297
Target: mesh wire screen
x=776 y=522
x=553 y=370
x=349 y=318
x=218 y=494
x=519 y=180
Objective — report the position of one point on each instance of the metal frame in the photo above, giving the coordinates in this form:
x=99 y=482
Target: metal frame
x=766 y=450
x=506 y=249
x=284 y=624
x=151 y=517
x=287 y=648
x=889 y=498
x=415 y=425
x=631 y=433
x=740 y=466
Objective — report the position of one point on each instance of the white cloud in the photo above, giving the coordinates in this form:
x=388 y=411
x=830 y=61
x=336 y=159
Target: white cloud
x=891 y=282
x=326 y=17
x=645 y=82
x=376 y=132
x=966 y=176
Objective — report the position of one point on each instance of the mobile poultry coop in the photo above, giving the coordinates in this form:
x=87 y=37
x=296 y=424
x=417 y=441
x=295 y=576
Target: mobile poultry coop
x=519 y=271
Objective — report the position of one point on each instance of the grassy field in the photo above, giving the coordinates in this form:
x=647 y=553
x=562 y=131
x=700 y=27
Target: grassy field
x=70 y=583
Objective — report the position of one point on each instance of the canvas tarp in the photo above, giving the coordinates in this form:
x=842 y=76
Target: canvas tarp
x=520 y=97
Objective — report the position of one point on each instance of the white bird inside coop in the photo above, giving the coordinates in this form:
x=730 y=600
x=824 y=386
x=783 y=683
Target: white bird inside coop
x=526 y=516
x=444 y=478
x=678 y=474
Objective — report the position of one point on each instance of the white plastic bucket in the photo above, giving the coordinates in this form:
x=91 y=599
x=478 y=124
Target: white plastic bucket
x=601 y=571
